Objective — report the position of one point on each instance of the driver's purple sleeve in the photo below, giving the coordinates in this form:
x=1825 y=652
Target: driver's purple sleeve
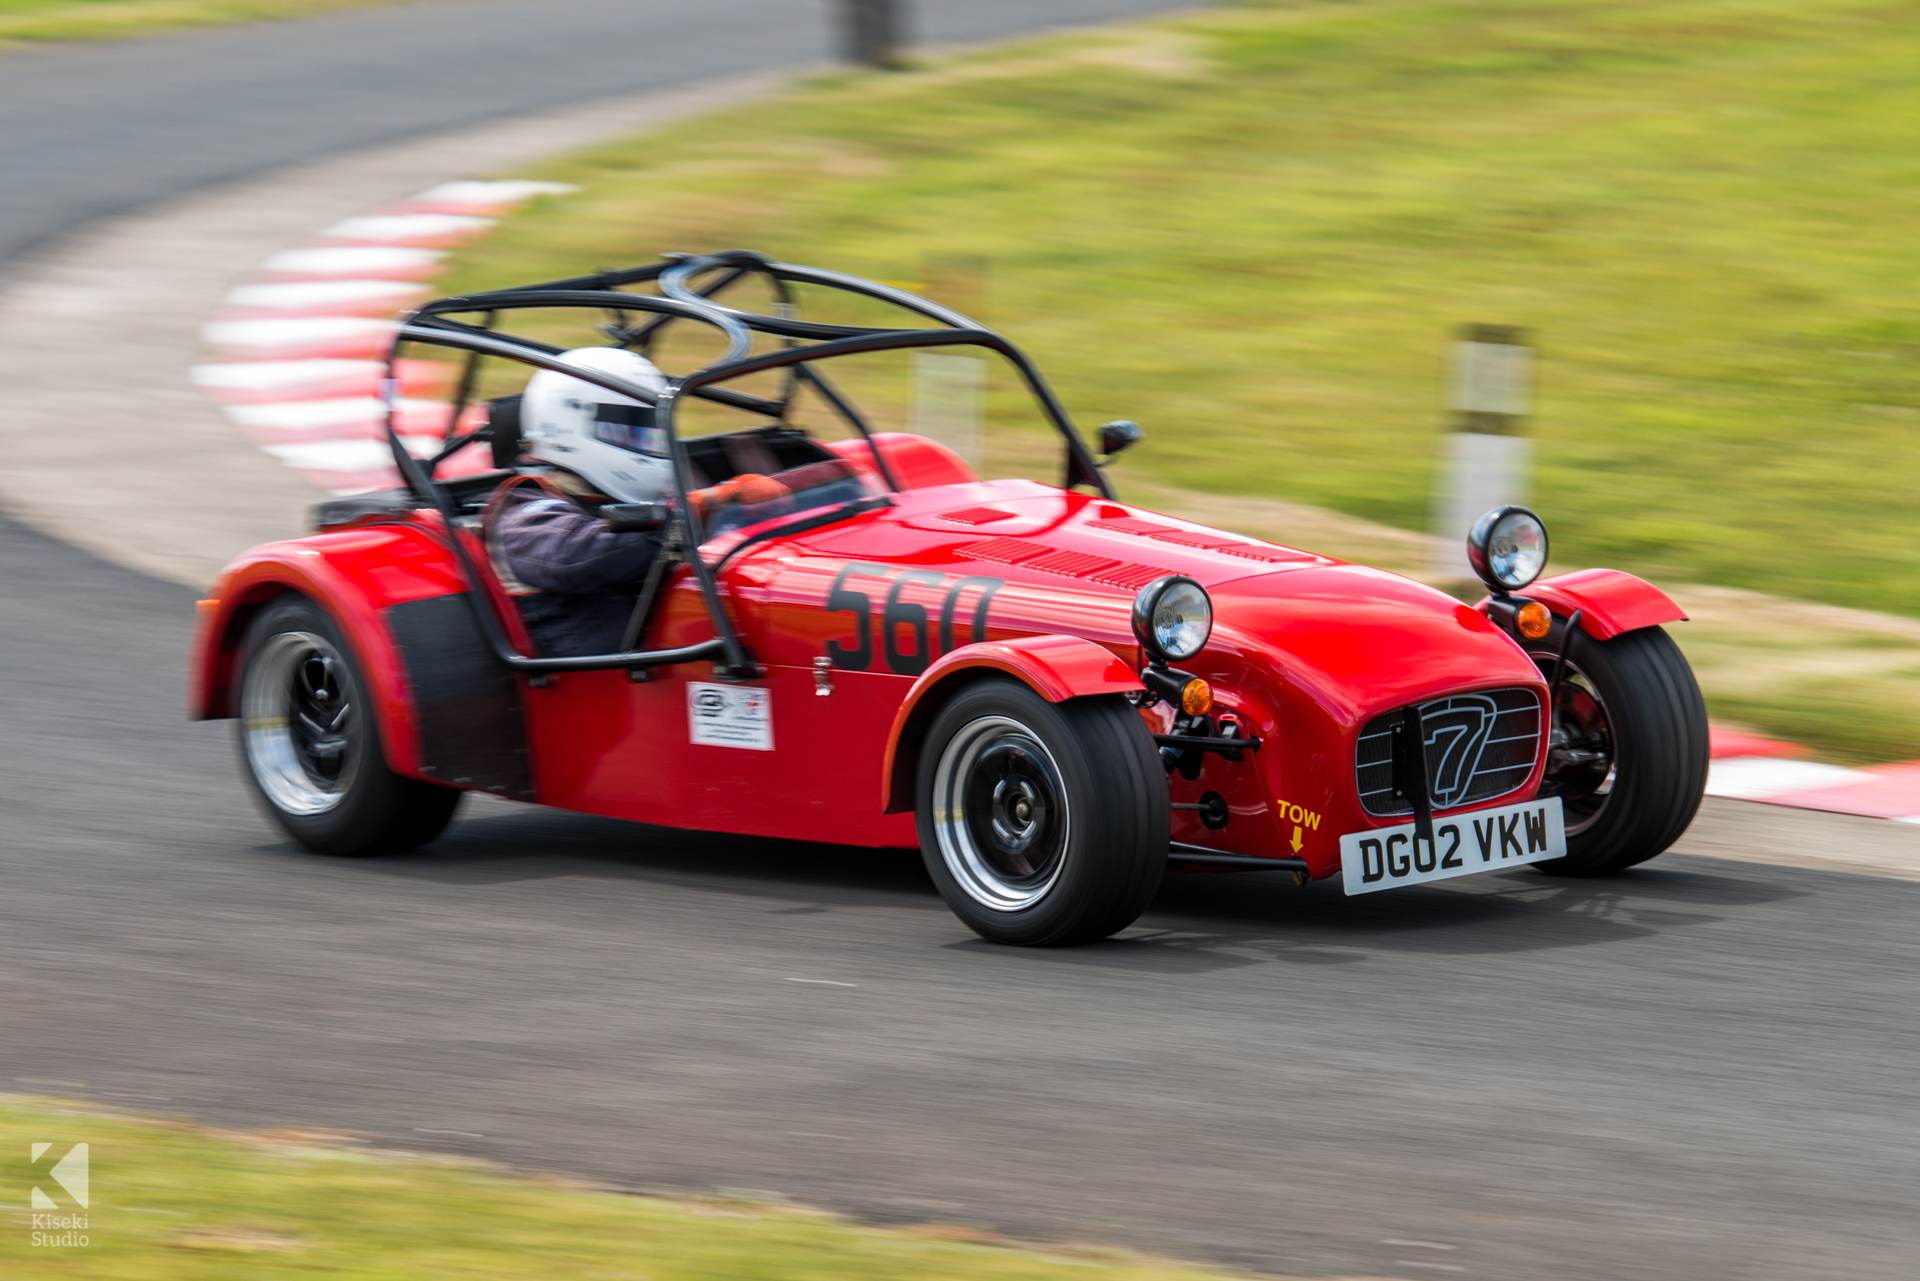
x=554 y=545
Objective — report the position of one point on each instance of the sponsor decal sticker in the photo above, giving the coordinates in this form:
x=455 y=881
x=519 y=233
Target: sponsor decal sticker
x=730 y=716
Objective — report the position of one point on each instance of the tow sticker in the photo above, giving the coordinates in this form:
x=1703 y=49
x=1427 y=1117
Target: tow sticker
x=730 y=716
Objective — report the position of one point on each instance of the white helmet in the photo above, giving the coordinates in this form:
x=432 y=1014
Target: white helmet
x=606 y=439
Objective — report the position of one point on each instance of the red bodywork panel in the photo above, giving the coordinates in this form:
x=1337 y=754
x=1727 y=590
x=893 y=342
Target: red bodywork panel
x=957 y=579
x=915 y=461
x=1611 y=601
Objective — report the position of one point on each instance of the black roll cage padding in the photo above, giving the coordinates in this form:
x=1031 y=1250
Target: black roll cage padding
x=746 y=262
x=609 y=279
x=739 y=339
x=641 y=616
x=735 y=265
x=1081 y=468
x=440 y=321
x=469 y=379
x=432 y=324
x=674 y=283
x=675 y=275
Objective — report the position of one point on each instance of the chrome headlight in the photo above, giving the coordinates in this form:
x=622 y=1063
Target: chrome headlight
x=1172 y=618
x=1507 y=548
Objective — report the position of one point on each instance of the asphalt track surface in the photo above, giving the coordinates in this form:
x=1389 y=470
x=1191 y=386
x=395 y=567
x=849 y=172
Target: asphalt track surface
x=98 y=129
x=1702 y=1068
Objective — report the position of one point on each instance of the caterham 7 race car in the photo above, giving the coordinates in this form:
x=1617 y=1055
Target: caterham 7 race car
x=1057 y=696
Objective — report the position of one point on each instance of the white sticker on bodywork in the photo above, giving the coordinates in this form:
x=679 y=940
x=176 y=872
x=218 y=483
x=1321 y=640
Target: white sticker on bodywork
x=730 y=716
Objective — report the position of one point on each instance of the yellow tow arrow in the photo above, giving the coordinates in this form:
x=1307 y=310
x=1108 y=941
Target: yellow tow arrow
x=1296 y=838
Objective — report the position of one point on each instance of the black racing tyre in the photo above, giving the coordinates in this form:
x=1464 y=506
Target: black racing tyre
x=1044 y=824
x=1628 y=749
x=309 y=745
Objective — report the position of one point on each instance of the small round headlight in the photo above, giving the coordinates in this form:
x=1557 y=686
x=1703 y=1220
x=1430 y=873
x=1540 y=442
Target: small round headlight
x=1172 y=618
x=1507 y=548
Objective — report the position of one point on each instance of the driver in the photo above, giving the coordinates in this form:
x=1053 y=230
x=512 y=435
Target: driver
x=574 y=579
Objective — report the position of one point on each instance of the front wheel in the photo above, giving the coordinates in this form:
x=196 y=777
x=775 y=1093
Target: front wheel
x=310 y=745
x=1627 y=748
x=1043 y=824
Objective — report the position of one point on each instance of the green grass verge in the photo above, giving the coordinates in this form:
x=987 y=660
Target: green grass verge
x=177 y=1202
x=1256 y=229
x=29 y=21
x=1851 y=695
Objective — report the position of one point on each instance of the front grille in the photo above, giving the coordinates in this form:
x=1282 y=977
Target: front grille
x=1478 y=746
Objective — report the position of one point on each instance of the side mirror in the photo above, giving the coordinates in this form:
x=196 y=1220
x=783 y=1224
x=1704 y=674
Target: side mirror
x=633 y=518
x=1120 y=434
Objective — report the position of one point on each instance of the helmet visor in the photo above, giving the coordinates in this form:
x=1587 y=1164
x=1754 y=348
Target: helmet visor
x=629 y=427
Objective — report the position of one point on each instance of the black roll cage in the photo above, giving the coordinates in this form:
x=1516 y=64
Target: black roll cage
x=681 y=298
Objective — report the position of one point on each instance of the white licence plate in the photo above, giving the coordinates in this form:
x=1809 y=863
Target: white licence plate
x=1484 y=841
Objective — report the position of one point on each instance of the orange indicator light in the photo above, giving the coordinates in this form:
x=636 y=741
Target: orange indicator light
x=1534 y=620
x=1196 y=698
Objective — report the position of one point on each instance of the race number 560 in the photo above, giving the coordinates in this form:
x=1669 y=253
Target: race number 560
x=905 y=625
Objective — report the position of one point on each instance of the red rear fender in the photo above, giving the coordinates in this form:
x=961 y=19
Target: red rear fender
x=1055 y=667
x=354 y=575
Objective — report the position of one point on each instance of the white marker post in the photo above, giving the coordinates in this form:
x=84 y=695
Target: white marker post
x=1484 y=460
x=950 y=389
x=949 y=395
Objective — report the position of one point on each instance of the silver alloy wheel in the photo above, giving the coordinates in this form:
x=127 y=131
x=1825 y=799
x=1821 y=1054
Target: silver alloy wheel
x=1580 y=736
x=1001 y=814
x=298 y=709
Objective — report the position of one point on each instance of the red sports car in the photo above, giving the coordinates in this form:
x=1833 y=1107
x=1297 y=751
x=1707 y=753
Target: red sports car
x=1058 y=697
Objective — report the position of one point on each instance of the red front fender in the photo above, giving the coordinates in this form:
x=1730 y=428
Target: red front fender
x=1610 y=601
x=1055 y=667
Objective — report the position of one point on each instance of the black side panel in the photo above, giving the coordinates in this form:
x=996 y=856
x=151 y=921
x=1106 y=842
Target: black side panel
x=468 y=702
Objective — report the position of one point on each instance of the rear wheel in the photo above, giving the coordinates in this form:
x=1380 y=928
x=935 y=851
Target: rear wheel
x=310 y=745
x=1043 y=824
x=1627 y=753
